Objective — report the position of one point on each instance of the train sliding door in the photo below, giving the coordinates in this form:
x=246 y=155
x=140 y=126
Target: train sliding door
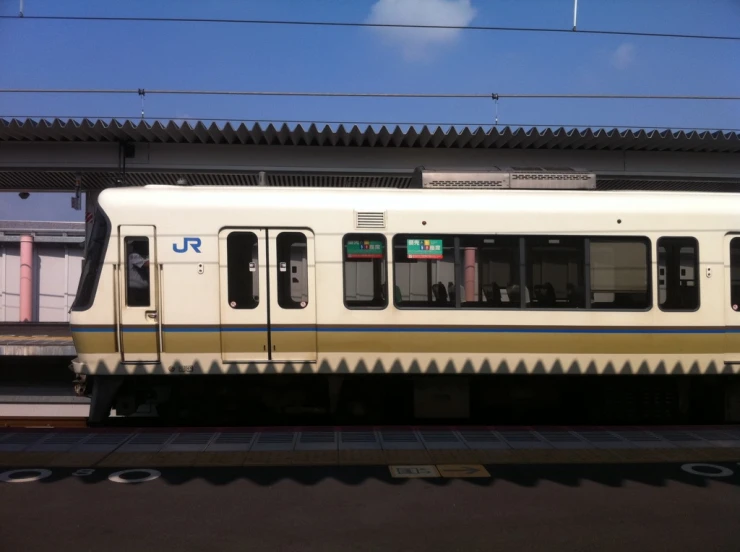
x=268 y=303
x=731 y=299
x=243 y=295
x=292 y=295
x=138 y=295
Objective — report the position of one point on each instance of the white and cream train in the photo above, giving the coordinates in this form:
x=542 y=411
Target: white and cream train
x=181 y=281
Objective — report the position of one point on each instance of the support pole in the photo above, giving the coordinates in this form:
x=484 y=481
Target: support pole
x=26 y=292
x=469 y=274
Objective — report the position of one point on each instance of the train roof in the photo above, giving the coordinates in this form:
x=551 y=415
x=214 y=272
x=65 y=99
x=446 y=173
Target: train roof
x=164 y=196
x=203 y=209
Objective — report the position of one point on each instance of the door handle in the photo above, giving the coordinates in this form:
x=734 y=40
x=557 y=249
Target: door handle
x=151 y=314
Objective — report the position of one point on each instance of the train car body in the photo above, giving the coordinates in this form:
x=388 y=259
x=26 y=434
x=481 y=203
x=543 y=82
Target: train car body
x=180 y=281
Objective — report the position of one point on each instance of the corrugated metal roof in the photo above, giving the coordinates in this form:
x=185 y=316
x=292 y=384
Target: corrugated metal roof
x=283 y=134
x=99 y=180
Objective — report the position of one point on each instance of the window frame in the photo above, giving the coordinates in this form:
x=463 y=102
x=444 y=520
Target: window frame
x=586 y=263
x=456 y=252
x=697 y=272
x=255 y=305
x=649 y=260
x=128 y=242
x=284 y=281
x=93 y=280
x=732 y=237
x=386 y=286
x=522 y=244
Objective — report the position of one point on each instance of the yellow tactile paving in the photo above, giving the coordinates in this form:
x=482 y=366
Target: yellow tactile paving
x=77 y=459
x=268 y=458
x=315 y=458
x=455 y=456
x=506 y=456
x=406 y=457
x=129 y=460
x=175 y=459
x=28 y=459
x=220 y=459
x=719 y=454
x=361 y=458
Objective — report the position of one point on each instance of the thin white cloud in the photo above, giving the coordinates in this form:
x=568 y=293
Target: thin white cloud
x=417 y=44
x=624 y=55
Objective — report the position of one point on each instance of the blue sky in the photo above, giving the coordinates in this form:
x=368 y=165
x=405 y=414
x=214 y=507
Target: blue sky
x=54 y=54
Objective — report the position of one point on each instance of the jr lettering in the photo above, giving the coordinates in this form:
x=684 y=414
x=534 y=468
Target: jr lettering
x=193 y=243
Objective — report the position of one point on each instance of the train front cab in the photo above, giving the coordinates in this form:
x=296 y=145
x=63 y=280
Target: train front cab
x=266 y=307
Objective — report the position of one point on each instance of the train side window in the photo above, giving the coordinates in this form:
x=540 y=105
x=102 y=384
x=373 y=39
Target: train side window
x=555 y=273
x=735 y=274
x=292 y=266
x=424 y=271
x=365 y=278
x=138 y=284
x=490 y=272
x=678 y=271
x=620 y=274
x=242 y=270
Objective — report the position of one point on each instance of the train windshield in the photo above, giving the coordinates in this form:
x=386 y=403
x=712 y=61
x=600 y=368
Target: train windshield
x=93 y=263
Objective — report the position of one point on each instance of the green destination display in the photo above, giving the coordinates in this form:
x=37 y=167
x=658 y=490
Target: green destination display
x=424 y=249
x=364 y=249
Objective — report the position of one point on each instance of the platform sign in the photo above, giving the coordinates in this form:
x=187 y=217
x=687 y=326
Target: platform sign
x=413 y=472
x=463 y=470
x=364 y=249
x=424 y=249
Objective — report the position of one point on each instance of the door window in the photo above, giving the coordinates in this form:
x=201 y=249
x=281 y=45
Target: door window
x=242 y=259
x=138 y=283
x=292 y=267
x=678 y=269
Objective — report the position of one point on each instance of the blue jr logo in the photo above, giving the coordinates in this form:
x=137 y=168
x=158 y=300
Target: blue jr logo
x=188 y=242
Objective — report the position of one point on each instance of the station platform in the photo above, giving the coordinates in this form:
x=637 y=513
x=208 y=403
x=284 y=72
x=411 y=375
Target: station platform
x=42 y=401
x=427 y=449
x=32 y=339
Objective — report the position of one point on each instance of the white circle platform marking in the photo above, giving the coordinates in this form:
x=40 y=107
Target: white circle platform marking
x=721 y=470
x=151 y=476
x=7 y=476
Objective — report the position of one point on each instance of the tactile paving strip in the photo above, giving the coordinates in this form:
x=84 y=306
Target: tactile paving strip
x=368 y=446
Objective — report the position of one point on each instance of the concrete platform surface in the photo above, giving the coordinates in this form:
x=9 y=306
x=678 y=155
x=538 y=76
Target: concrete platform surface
x=663 y=507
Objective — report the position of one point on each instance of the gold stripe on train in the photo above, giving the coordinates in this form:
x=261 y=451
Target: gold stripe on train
x=195 y=342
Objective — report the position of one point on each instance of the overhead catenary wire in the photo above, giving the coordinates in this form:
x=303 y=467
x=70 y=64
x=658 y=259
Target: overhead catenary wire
x=357 y=24
x=486 y=95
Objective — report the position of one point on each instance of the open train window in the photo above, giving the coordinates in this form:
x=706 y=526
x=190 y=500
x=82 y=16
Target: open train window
x=620 y=274
x=678 y=274
x=365 y=277
x=555 y=272
x=735 y=274
x=292 y=266
x=242 y=272
x=138 y=284
x=424 y=271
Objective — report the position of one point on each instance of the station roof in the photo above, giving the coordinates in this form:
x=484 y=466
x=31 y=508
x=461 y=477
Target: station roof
x=42 y=231
x=325 y=135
